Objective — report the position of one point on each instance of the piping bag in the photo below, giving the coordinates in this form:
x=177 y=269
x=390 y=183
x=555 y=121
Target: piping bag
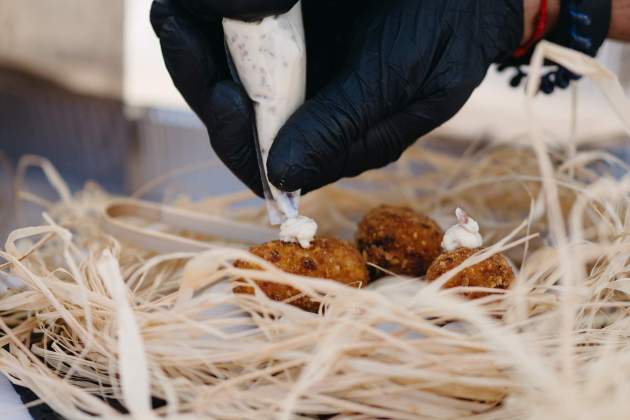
x=268 y=58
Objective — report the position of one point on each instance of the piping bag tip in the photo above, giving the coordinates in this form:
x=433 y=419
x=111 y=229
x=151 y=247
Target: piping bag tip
x=282 y=206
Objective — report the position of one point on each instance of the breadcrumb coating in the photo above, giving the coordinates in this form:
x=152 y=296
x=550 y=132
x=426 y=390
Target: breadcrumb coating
x=399 y=240
x=494 y=272
x=326 y=258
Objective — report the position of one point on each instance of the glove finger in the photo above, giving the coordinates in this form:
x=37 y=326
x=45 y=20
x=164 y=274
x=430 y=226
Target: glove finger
x=188 y=54
x=324 y=127
x=308 y=166
x=241 y=9
x=387 y=140
x=196 y=68
x=230 y=126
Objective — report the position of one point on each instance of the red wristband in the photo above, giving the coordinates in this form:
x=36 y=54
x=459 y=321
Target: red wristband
x=539 y=33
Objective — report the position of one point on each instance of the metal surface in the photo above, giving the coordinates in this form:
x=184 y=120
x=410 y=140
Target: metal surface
x=85 y=137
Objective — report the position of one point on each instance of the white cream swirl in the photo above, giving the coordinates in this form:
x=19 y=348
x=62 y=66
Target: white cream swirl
x=465 y=234
x=300 y=229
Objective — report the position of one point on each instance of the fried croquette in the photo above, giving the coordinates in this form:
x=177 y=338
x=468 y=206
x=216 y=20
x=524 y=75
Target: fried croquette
x=494 y=272
x=399 y=240
x=326 y=258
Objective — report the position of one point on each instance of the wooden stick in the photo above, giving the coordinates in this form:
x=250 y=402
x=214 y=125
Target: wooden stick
x=178 y=219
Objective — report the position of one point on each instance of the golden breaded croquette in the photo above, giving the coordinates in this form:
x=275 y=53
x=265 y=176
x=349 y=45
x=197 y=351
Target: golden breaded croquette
x=494 y=272
x=399 y=240
x=327 y=258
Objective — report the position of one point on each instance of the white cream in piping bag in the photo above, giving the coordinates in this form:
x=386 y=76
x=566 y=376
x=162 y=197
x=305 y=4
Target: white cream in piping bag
x=270 y=58
x=465 y=234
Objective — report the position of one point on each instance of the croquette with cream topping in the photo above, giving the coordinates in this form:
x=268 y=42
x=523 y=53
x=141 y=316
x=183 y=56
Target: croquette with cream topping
x=326 y=258
x=399 y=240
x=492 y=273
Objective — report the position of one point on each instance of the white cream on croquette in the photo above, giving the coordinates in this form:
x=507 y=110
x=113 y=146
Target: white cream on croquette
x=300 y=229
x=465 y=234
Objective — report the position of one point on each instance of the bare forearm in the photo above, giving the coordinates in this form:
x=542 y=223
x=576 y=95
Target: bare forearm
x=620 y=24
x=532 y=10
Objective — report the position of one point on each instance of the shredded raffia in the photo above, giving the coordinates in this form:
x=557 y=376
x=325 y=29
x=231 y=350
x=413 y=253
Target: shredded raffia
x=98 y=320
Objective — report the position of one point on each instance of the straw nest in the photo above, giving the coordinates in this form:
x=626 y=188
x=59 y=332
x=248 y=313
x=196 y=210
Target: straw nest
x=99 y=320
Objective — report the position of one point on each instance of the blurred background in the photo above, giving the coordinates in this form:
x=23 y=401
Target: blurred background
x=83 y=84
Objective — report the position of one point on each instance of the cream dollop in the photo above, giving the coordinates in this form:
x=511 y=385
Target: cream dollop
x=465 y=234
x=299 y=229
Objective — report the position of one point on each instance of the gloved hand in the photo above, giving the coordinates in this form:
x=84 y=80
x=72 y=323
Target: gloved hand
x=236 y=9
x=381 y=74
x=191 y=37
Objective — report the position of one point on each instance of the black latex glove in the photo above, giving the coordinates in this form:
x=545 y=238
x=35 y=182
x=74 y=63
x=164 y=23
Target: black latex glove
x=237 y=9
x=381 y=74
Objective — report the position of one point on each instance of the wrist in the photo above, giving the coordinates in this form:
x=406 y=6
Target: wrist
x=619 y=26
x=531 y=15
x=581 y=25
